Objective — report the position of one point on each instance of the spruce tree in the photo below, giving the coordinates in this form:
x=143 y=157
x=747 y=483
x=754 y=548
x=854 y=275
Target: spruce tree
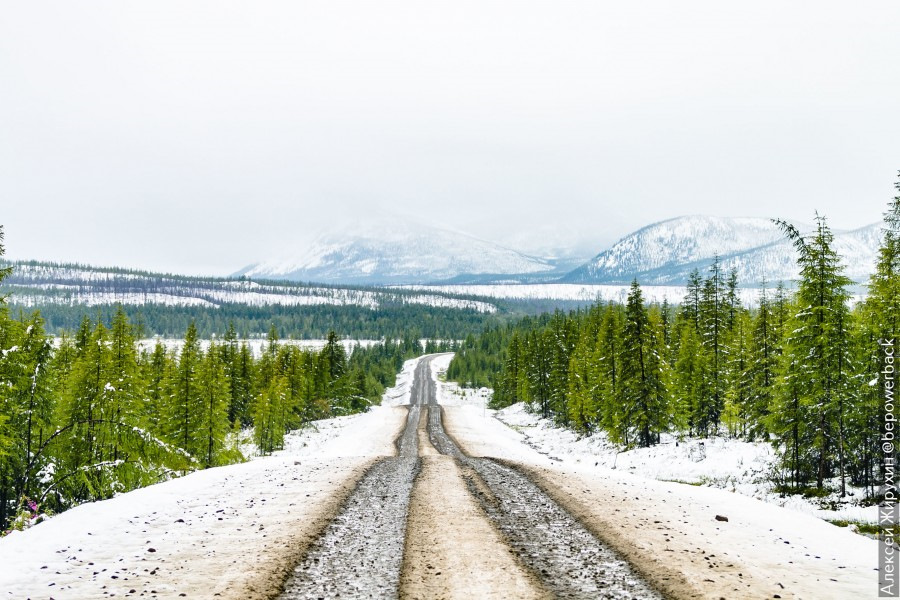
x=87 y=413
x=879 y=327
x=36 y=389
x=125 y=385
x=739 y=379
x=158 y=367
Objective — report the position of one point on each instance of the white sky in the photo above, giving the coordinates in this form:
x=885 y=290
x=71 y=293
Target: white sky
x=201 y=136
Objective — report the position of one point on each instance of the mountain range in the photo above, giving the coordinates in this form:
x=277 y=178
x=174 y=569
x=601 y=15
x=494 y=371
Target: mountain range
x=400 y=252
x=667 y=252
x=663 y=253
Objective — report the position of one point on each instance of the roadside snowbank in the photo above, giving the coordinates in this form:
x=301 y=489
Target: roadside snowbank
x=670 y=532
x=732 y=465
x=401 y=393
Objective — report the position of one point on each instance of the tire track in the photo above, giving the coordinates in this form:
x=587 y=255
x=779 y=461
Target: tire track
x=360 y=553
x=569 y=560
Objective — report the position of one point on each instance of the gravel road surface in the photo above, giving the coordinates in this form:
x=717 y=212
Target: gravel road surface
x=538 y=549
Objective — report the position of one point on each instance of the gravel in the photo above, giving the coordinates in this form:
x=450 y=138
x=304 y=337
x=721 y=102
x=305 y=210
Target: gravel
x=361 y=552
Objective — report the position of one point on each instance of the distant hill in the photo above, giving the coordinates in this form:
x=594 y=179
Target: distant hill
x=397 y=252
x=665 y=253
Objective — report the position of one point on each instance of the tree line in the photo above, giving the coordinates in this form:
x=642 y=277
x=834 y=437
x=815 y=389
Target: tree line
x=300 y=322
x=801 y=368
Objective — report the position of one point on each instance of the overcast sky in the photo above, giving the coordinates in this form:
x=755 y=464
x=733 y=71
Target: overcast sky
x=198 y=137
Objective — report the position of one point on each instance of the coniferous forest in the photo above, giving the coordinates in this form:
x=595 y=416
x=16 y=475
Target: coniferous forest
x=94 y=413
x=801 y=368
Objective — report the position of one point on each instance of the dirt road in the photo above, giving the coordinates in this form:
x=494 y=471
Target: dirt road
x=433 y=522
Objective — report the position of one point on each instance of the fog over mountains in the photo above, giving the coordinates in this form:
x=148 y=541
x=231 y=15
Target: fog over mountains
x=391 y=251
x=664 y=253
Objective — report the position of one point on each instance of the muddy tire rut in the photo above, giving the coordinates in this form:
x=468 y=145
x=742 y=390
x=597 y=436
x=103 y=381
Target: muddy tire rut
x=433 y=522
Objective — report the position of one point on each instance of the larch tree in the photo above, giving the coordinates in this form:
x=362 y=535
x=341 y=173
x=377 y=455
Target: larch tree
x=214 y=393
x=643 y=374
x=185 y=400
x=819 y=345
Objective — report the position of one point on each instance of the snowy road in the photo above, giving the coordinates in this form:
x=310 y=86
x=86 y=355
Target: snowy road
x=417 y=500
x=361 y=552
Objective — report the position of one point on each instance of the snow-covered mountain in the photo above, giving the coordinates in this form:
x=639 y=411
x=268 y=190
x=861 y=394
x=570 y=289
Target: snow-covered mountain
x=666 y=252
x=399 y=252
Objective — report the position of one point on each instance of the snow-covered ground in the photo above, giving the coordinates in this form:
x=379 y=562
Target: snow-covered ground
x=256 y=345
x=36 y=285
x=218 y=297
x=670 y=530
x=733 y=465
x=588 y=293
